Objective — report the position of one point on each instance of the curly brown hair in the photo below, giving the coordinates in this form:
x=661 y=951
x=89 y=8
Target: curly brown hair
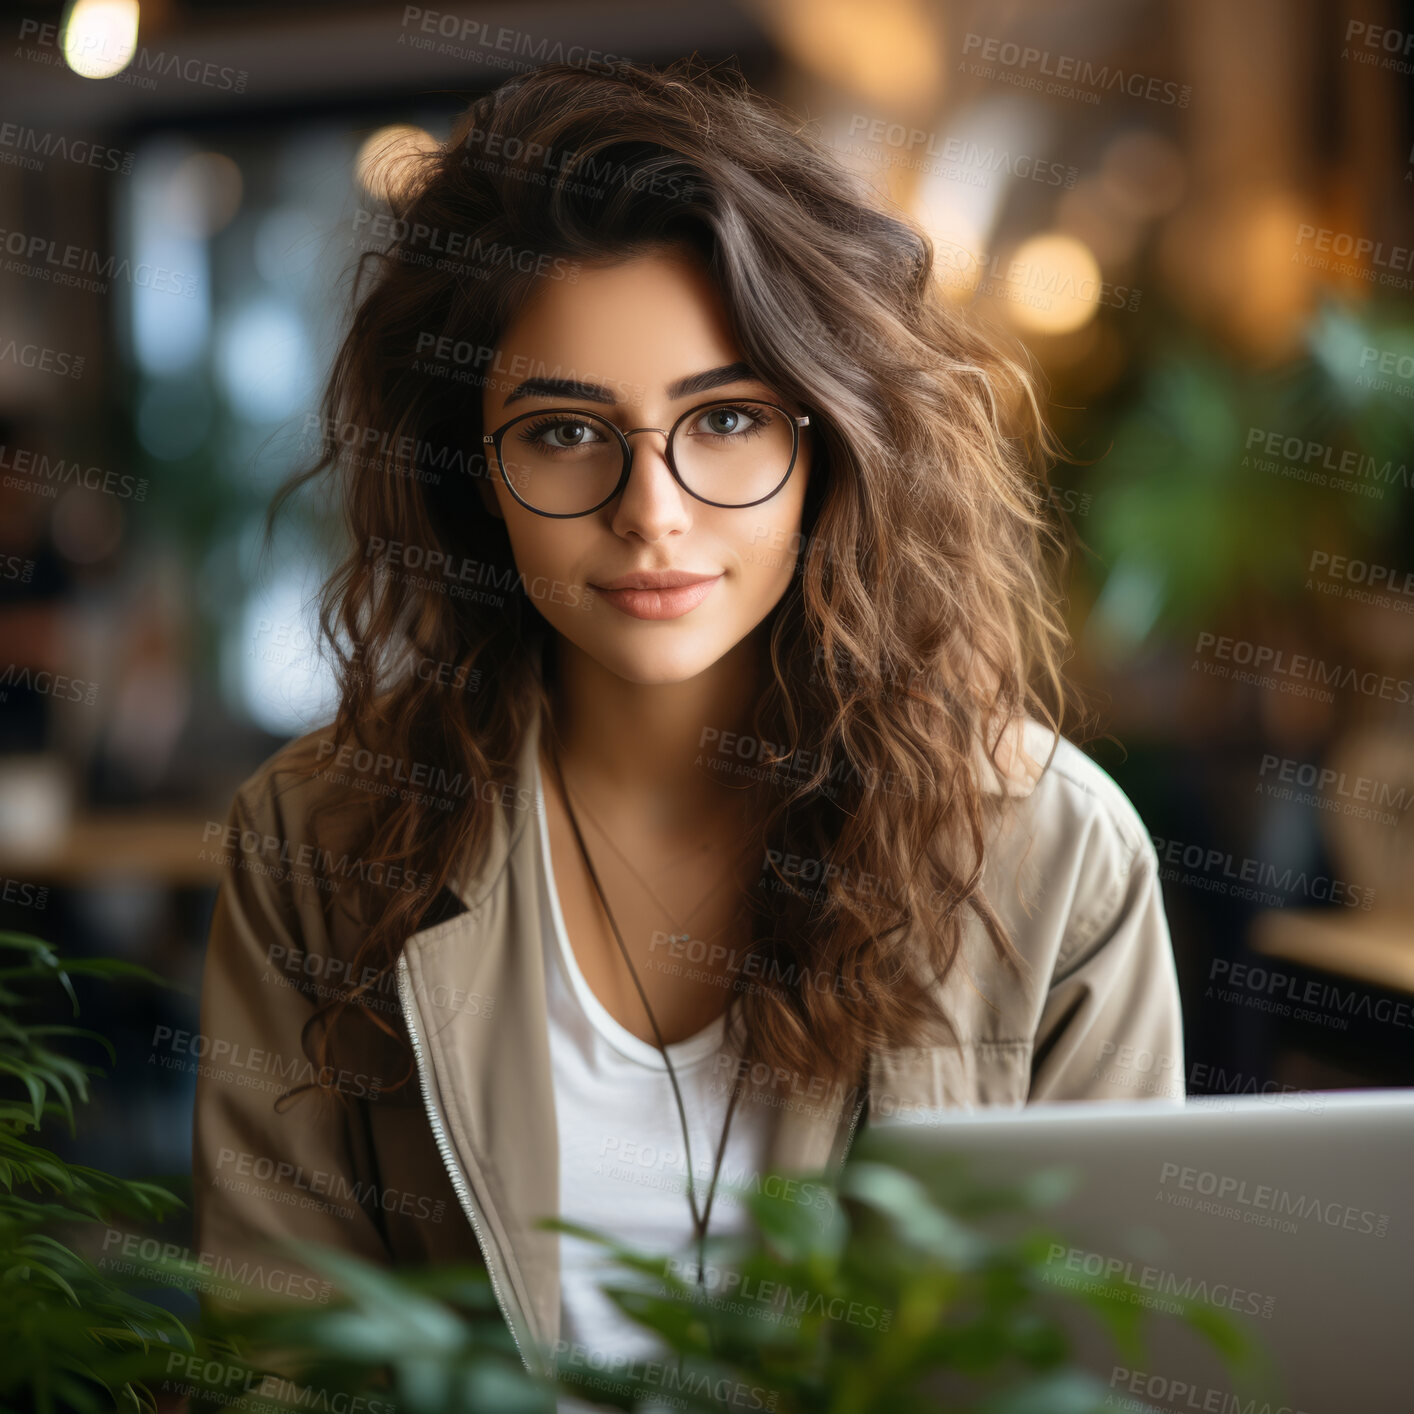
x=923 y=618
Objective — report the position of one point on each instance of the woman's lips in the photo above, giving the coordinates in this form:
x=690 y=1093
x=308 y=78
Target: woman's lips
x=660 y=603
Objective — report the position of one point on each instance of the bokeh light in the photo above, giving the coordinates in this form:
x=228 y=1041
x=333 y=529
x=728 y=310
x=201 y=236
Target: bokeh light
x=100 y=37
x=389 y=160
x=1057 y=284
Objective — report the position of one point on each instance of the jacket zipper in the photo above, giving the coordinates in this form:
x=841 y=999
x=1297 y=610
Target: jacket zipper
x=853 y=1130
x=455 y=1172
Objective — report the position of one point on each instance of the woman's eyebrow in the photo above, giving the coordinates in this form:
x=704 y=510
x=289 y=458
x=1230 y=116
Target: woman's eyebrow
x=597 y=393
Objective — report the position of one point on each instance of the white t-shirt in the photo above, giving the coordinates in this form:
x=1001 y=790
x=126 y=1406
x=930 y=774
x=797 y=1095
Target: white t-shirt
x=622 y=1167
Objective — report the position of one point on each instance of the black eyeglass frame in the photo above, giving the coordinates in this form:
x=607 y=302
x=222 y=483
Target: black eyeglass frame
x=793 y=421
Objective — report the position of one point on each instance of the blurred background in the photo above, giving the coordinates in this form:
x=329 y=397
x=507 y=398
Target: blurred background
x=1196 y=215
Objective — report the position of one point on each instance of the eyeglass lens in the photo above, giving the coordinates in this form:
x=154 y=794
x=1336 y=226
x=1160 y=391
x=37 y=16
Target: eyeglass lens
x=732 y=453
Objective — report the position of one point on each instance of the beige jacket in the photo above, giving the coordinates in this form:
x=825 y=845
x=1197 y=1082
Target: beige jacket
x=461 y=1170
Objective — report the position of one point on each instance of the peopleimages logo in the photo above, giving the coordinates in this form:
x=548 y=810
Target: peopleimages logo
x=756 y=1295
x=47 y=474
x=1120 y=1273
x=25 y=143
x=463 y=248
x=46 y=684
x=963 y=153
x=302 y=858
x=201 y=1376
x=43 y=256
x=459 y=36
x=324 y=1183
x=1401 y=365
x=131 y=1253
x=1300 y=458
x=616 y=1372
x=1271 y=989
x=46 y=360
x=1225 y=867
x=1269 y=1199
x=1275 y=664
x=1070 y=75
x=217 y=1058
x=1325 y=240
x=146 y=64
x=1328 y=789
x=512 y=156
x=1183 y=1394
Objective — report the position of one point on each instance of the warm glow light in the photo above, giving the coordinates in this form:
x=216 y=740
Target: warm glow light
x=100 y=37
x=390 y=158
x=1051 y=284
x=1232 y=260
x=890 y=54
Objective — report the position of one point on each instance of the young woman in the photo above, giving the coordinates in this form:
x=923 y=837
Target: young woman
x=697 y=791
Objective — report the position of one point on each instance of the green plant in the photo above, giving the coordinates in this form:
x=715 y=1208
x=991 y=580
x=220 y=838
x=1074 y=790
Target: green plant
x=898 y=1296
x=891 y=1290
x=64 y=1318
x=427 y=1341
x=77 y=1335
x=883 y=1297
x=1214 y=470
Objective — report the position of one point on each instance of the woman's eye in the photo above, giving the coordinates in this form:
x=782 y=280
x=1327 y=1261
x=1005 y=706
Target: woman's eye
x=568 y=434
x=725 y=421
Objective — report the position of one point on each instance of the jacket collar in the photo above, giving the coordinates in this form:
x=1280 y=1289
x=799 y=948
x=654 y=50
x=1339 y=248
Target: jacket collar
x=479 y=980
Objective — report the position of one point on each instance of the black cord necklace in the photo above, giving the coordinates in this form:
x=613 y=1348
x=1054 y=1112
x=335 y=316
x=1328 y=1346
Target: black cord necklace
x=700 y=1218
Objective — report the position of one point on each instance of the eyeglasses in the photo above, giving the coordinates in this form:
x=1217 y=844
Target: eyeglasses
x=563 y=462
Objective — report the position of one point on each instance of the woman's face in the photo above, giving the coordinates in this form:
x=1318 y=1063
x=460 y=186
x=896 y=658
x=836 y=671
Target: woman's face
x=616 y=341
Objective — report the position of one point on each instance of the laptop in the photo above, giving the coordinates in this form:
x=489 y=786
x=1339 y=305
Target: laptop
x=1292 y=1213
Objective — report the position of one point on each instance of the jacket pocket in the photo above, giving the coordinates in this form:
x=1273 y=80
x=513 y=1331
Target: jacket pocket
x=970 y=1075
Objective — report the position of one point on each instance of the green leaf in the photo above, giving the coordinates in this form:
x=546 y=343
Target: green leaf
x=1056 y=1392
x=907 y=1204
